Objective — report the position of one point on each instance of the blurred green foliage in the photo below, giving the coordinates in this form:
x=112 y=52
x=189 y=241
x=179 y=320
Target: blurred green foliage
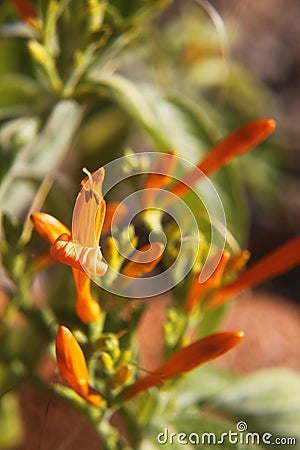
x=80 y=84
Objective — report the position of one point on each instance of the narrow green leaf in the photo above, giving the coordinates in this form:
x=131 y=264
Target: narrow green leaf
x=131 y=97
x=269 y=401
x=42 y=154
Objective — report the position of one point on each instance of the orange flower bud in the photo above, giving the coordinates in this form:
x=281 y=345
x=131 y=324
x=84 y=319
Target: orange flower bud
x=185 y=360
x=277 y=262
x=144 y=260
x=238 y=142
x=72 y=366
x=25 y=9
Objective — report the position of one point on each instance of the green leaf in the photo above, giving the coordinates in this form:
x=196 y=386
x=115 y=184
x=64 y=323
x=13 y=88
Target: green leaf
x=17 y=90
x=269 y=401
x=42 y=155
x=131 y=97
x=169 y=126
x=202 y=384
x=203 y=117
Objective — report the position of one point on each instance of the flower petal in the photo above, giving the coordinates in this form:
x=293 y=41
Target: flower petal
x=186 y=359
x=88 y=259
x=48 y=226
x=89 y=211
x=72 y=366
x=87 y=308
x=238 y=142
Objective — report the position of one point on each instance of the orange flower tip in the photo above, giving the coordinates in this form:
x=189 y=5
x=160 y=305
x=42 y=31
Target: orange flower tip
x=72 y=367
x=255 y=132
x=239 y=334
x=272 y=124
x=48 y=227
x=263 y=128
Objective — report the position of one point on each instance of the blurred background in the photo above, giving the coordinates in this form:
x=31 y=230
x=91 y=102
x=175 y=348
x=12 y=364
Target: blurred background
x=258 y=77
x=265 y=38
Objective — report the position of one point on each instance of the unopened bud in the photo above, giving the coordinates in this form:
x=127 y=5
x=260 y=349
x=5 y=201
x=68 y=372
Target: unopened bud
x=107 y=362
x=38 y=52
x=121 y=377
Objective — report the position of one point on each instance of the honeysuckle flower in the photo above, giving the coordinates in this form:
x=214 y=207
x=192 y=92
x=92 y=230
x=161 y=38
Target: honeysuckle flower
x=26 y=10
x=72 y=367
x=52 y=230
x=79 y=248
x=198 y=290
x=277 y=262
x=185 y=360
x=236 y=143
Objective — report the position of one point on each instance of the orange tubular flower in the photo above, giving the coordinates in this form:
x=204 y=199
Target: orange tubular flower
x=199 y=290
x=185 y=360
x=238 y=142
x=72 y=367
x=79 y=249
x=277 y=262
x=26 y=10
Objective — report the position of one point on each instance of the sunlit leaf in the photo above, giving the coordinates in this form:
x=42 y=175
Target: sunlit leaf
x=269 y=401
